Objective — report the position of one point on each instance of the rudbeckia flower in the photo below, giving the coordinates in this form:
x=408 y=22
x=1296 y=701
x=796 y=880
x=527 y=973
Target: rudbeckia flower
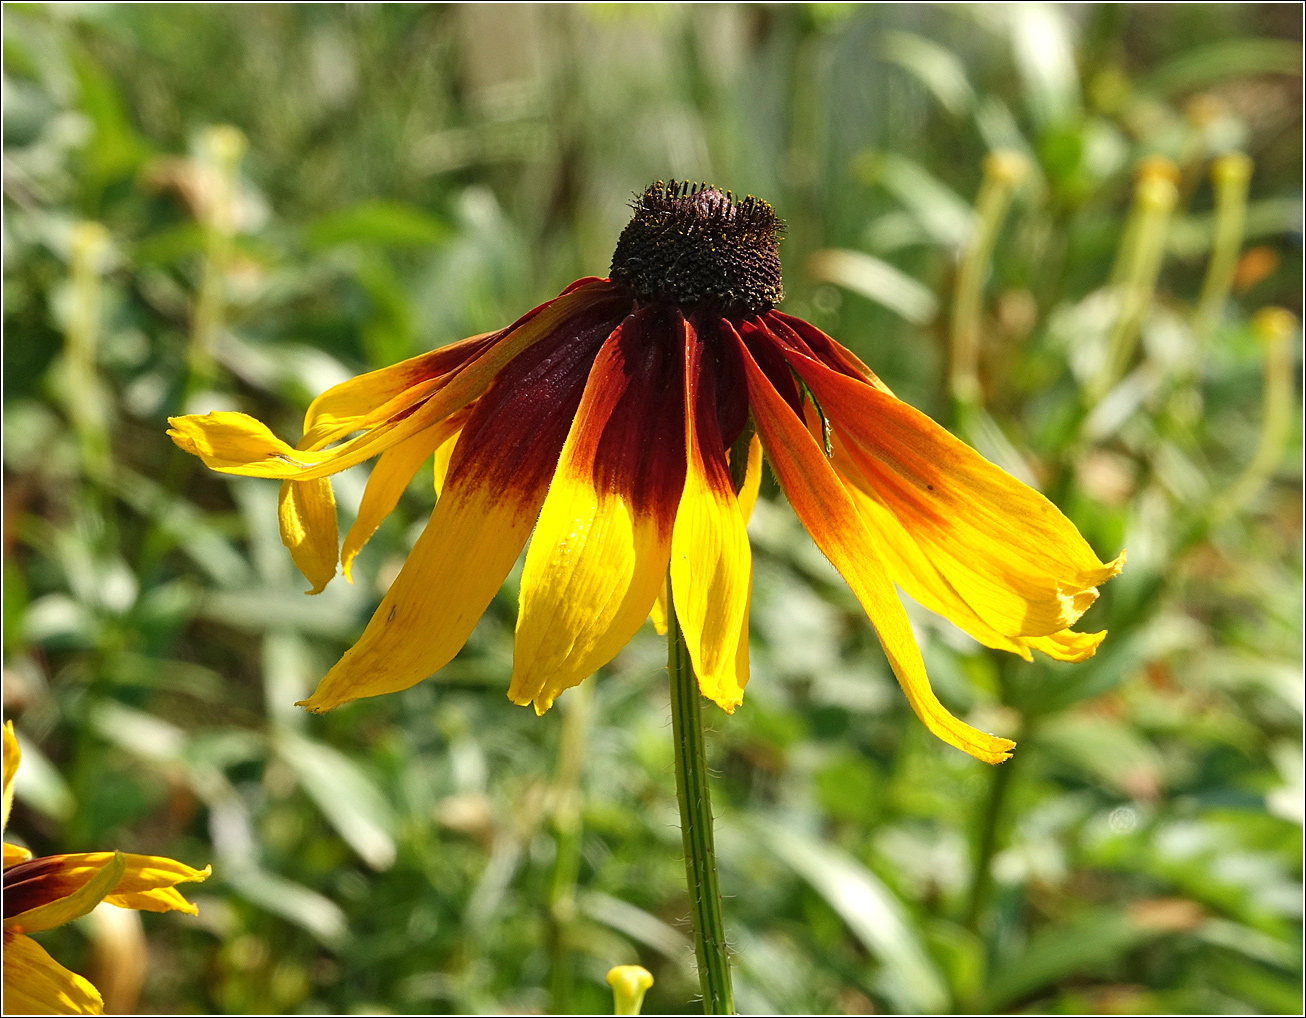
x=624 y=421
x=49 y=891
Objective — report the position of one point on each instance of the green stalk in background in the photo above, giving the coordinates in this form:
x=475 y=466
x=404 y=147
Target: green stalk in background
x=1274 y=327
x=696 y=822
x=568 y=833
x=1137 y=266
x=85 y=400
x=1003 y=172
x=1230 y=176
x=221 y=150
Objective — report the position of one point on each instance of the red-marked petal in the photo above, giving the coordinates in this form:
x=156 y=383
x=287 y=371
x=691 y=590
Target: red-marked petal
x=827 y=511
x=602 y=545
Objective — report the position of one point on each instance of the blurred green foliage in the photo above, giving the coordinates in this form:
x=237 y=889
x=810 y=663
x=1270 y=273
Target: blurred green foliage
x=235 y=207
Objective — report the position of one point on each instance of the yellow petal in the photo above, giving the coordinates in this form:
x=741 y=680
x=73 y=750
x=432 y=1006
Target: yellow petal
x=235 y=443
x=658 y=615
x=1009 y=553
x=68 y=882
x=12 y=754
x=590 y=578
x=67 y=891
x=497 y=479
x=149 y=883
x=1067 y=645
x=389 y=479
x=442 y=459
x=34 y=983
x=307 y=514
x=15 y=854
x=603 y=541
x=752 y=479
x=827 y=511
x=345 y=405
x=747 y=498
x=711 y=564
x=912 y=569
x=451 y=575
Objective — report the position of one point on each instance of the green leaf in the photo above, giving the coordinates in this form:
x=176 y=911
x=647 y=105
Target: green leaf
x=386 y=223
x=350 y=801
x=871 y=911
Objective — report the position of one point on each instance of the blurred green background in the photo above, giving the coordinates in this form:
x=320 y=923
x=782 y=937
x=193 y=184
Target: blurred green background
x=235 y=207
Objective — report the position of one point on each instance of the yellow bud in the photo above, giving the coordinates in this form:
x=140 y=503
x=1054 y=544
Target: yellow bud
x=629 y=984
x=224 y=144
x=1271 y=324
x=90 y=243
x=1157 y=184
x=1006 y=166
x=1231 y=168
x=1158 y=168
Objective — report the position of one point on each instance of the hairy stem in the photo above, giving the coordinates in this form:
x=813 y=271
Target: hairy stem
x=696 y=822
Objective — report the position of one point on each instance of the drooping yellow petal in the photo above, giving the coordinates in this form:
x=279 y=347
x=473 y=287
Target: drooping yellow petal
x=235 y=443
x=1009 y=553
x=66 y=892
x=149 y=884
x=711 y=563
x=912 y=569
x=587 y=590
x=747 y=498
x=306 y=511
x=15 y=854
x=389 y=479
x=34 y=983
x=827 y=511
x=603 y=541
x=497 y=479
x=349 y=404
x=1068 y=645
x=12 y=754
x=441 y=460
x=146 y=882
x=447 y=582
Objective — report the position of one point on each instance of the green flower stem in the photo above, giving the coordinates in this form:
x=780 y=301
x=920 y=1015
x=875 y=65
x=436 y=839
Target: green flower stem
x=696 y=822
x=1137 y=266
x=981 y=883
x=1003 y=172
x=568 y=832
x=1230 y=175
x=1275 y=328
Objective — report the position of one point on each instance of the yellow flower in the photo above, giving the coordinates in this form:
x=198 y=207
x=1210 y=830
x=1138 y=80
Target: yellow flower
x=624 y=421
x=49 y=891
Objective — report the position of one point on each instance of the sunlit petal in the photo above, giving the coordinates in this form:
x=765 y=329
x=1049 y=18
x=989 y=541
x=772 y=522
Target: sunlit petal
x=603 y=542
x=711 y=564
x=827 y=511
x=54 y=890
x=1017 y=562
x=34 y=983
x=498 y=476
x=306 y=511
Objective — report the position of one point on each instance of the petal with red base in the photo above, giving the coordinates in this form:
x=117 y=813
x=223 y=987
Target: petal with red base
x=603 y=542
x=827 y=511
x=1009 y=553
x=498 y=476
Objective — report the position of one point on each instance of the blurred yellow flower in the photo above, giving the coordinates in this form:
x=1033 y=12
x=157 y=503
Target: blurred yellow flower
x=49 y=891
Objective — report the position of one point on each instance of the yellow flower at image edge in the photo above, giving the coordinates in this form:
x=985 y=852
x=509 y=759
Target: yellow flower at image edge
x=49 y=891
x=624 y=423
